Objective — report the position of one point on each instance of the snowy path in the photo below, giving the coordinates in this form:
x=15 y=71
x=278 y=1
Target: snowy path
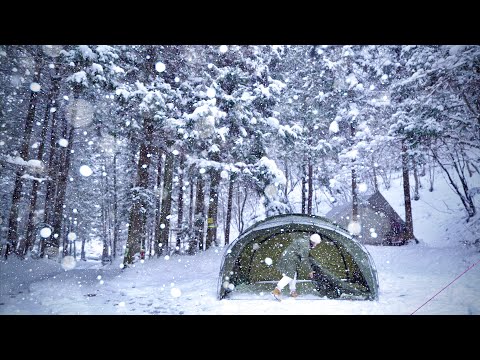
x=408 y=277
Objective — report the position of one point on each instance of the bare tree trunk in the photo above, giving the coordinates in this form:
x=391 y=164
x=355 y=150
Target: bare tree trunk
x=408 y=234
x=355 y=216
x=286 y=178
x=416 y=195
x=191 y=204
x=62 y=188
x=180 y=204
x=24 y=247
x=53 y=173
x=241 y=207
x=213 y=208
x=137 y=223
x=164 y=231
x=12 y=235
x=159 y=203
x=115 y=202
x=375 y=182
x=229 y=209
x=304 y=190
x=82 y=252
x=105 y=216
x=310 y=188
x=199 y=220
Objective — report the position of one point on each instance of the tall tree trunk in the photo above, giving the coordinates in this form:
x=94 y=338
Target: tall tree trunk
x=213 y=207
x=158 y=210
x=82 y=252
x=105 y=216
x=115 y=202
x=408 y=234
x=229 y=209
x=374 y=169
x=355 y=216
x=304 y=189
x=52 y=173
x=241 y=207
x=164 y=231
x=180 y=204
x=26 y=246
x=310 y=188
x=137 y=222
x=416 y=194
x=62 y=189
x=191 y=203
x=285 y=193
x=199 y=218
x=12 y=235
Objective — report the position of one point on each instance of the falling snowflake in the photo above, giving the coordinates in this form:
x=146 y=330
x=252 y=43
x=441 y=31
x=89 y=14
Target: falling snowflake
x=72 y=236
x=68 y=262
x=160 y=67
x=362 y=187
x=63 y=142
x=354 y=228
x=175 y=292
x=80 y=112
x=268 y=261
x=85 y=170
x=223 y=49
x=45 y=232
x=35 y=87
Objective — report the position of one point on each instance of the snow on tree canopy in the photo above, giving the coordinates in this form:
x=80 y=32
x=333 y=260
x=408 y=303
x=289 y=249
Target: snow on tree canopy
x=333 y=127
x=52 y=50
x=211 y=92
x=87 y=53
x=33 y=164
x=271 y=165
x=79 y=77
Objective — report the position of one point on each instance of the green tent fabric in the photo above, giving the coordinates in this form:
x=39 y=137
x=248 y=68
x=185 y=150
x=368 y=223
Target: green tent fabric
x=248 y=266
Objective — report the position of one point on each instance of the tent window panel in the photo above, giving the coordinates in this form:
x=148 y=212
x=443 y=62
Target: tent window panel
x=270 y=249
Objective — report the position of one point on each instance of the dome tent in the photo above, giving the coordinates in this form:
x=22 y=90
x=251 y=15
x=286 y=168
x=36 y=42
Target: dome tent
x=248 y=266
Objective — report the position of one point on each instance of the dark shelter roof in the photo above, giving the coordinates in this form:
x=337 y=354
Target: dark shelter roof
x=375 y=213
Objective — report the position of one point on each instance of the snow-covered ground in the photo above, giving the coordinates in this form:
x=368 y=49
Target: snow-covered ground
x=440 y=275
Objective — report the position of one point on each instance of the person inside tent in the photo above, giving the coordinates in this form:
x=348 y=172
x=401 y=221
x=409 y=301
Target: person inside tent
x=297 y=254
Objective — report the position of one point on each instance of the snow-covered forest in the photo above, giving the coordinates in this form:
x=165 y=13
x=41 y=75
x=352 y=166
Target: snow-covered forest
x=121 y=153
